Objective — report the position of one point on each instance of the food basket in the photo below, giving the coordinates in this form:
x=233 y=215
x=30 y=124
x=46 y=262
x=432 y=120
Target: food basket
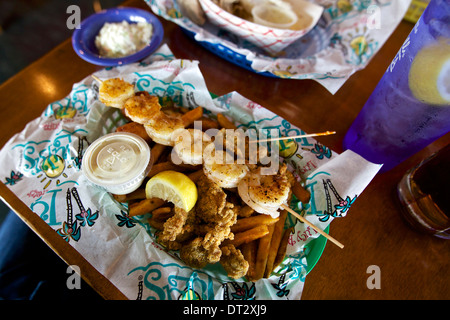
x=123 y=248
x=341 y=43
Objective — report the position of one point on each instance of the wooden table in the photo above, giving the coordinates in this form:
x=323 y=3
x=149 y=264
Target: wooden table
x=412 y=265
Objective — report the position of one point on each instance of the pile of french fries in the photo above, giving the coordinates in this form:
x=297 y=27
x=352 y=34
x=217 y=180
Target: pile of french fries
x=262 y=239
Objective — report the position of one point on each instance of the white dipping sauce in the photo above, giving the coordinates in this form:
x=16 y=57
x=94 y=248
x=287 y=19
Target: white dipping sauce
x=116 y=40
x=118 y=162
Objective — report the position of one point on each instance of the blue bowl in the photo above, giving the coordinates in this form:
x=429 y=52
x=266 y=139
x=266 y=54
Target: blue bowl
x=83 y=39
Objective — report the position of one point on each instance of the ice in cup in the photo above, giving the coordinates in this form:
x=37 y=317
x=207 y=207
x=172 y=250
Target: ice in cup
x=118 y=162
x=410 y=107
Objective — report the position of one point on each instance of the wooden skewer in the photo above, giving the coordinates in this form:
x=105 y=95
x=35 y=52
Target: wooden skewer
x=326 y=133
x=96 y=78
x=340 y=245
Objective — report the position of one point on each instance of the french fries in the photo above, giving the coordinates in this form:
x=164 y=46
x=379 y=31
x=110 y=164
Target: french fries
x=224 y=122
x=208 y=123
x=144 y=206
x=263 y=253
x=157 y=151
x=281 y=253
x=162 y=213
x=159 y=217
x=249 y=250
x=248 y=235
x=246 y=211
x=191 y=116
x=301 y=193
x=252 y=222
x=136 y=128
x=275 y=243
x=138 y=194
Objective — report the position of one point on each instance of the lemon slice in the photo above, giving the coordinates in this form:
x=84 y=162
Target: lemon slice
x=174 y=187
x=430 y=73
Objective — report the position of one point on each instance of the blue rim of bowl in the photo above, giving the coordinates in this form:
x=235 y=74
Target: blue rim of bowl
x=88 y=51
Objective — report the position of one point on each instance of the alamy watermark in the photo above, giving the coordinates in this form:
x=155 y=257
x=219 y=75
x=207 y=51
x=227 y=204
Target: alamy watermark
x=374 y=280
x=74 y=280
x=74 y=19
x=374 y=17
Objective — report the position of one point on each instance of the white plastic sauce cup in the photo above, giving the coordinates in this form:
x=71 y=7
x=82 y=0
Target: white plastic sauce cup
x=118 y=162
x=273 y=16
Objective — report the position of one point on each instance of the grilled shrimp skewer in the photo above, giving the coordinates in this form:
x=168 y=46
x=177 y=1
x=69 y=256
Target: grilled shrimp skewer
x=145 y=109
x=189 y=145
x=162 y=127
x=193 y=146
x=142 y=107
x=220 y=167
x=265 y=193
x=114 y=92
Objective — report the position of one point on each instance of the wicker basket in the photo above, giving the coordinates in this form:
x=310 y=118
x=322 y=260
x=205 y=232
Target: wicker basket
x=415 y=10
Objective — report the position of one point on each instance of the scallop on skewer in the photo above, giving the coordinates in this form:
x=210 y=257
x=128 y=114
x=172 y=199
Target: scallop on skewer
x=114 y=92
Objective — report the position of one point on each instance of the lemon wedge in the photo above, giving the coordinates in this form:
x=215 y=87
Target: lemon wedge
x=430 y=73
x=174 y=187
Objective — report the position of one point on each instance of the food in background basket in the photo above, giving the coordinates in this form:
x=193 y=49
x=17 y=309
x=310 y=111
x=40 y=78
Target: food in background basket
x=192 y=10
x=270 y=13
x=240 y=8
x=274 y=14
x=271 y=25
